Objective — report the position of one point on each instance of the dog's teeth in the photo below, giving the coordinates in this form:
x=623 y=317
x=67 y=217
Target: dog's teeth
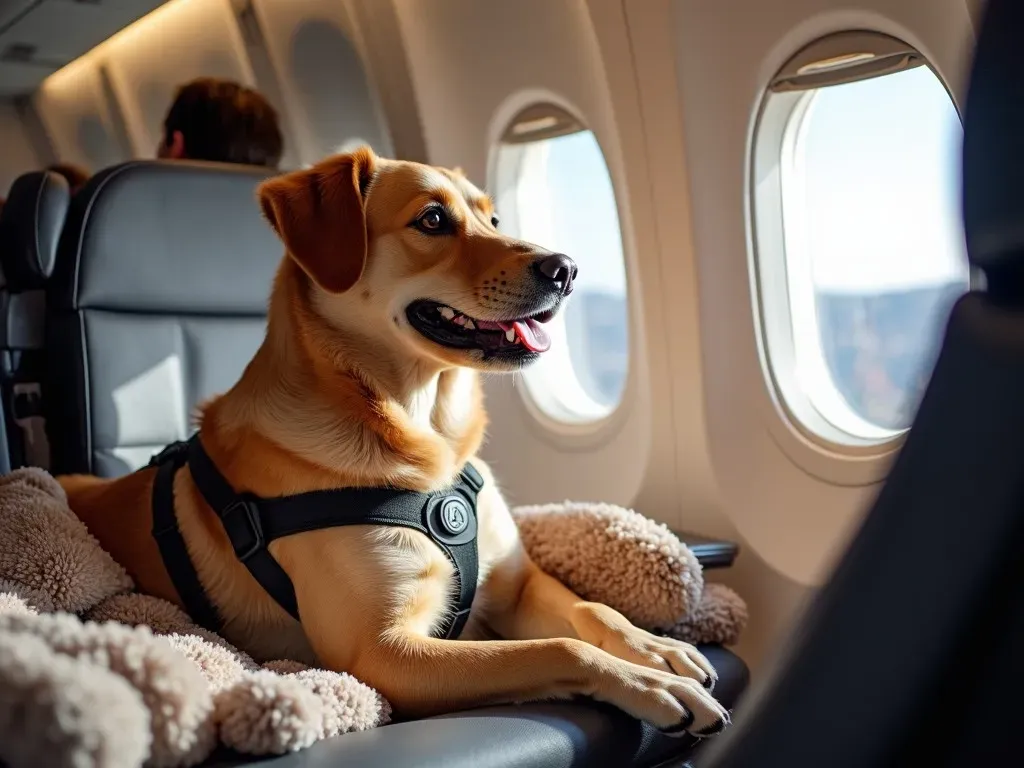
x=510 y=334
x=470 y=325
x=447 y=313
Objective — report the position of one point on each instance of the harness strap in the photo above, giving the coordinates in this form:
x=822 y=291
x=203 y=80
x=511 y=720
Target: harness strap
x=243 y=523
x=171 y=543
x=448 y=518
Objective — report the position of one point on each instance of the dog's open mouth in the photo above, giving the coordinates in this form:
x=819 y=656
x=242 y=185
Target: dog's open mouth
x=451 y=328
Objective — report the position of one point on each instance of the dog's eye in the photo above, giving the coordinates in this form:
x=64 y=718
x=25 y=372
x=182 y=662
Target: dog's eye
x=433 y=222
x=494 y=221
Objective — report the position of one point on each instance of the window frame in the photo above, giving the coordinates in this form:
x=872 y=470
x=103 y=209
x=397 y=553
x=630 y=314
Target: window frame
x=803 y=432
x=561 y=428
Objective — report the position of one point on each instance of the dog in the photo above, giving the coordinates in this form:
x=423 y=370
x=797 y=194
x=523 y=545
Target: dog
x=396 y=290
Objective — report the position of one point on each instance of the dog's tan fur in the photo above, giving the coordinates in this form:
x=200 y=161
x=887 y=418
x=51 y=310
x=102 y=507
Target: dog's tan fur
x=344 y=392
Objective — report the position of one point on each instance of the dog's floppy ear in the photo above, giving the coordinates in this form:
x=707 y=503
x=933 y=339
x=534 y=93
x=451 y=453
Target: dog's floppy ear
x=320 y=215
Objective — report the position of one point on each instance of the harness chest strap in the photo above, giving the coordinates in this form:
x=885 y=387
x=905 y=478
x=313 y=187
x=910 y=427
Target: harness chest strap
x=447 y=517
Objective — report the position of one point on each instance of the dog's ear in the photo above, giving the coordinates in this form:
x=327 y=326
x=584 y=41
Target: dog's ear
x=319 y=214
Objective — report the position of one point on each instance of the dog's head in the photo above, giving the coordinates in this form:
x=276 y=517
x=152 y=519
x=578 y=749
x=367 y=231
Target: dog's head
x=410 y=256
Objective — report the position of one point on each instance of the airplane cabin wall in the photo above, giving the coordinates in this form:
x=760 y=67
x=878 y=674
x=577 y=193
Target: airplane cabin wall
x=307 y=58
x=19 y=155
x=315 y=49
x=702 y=69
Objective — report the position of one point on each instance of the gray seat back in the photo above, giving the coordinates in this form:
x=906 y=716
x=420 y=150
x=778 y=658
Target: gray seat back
x=30 y=227
x=158 y=300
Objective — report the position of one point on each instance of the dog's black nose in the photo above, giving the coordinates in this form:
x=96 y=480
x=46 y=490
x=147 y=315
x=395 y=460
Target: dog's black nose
x=558 y=269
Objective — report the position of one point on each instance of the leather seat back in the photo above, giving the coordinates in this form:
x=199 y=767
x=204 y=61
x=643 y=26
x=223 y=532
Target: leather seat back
x=30 y=227
x=158 y=300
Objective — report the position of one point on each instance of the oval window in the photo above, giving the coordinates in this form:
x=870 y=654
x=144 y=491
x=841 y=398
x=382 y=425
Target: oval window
x=860 y=245
x=553 y=188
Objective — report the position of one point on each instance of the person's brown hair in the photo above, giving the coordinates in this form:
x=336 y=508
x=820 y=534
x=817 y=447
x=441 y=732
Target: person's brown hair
x=76 y=175
x=225 y=122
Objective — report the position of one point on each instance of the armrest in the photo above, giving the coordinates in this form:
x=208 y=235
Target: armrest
x=711 y=553
x=565 y=734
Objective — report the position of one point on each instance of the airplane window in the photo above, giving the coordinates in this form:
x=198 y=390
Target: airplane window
x=553 y=188
x=868 y=246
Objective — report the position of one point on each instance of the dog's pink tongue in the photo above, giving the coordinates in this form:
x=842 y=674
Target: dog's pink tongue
x=532 y=335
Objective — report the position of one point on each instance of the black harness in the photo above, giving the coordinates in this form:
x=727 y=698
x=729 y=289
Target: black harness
x=447 y=517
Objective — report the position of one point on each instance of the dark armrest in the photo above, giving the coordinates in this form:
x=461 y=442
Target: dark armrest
x=711 y=553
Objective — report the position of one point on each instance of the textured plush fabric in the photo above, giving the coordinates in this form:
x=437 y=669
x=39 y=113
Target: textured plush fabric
x=639 y=567
x=45 y=547
x=614 y=556
x=719 y=617
x=75 y=713
x=110 y=678
x=131 y=680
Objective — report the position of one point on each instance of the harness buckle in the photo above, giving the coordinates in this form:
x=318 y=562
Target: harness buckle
x=241 y=520
x=168 y=453
x=471 y=476
x=450 y=518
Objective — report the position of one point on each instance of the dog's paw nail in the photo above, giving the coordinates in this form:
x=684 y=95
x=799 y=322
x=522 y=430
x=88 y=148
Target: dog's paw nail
x=714 y=728
x=679 y=729
x=709 y=682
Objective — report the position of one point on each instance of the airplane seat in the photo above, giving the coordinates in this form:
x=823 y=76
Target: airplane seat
x=5 y=453
x=910 y=654
x=30 y=225
x=157 y=300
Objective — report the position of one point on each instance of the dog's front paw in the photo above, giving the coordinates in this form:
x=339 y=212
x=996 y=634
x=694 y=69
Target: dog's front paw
x=613 y=633
x=681 y=658
x=675 y=705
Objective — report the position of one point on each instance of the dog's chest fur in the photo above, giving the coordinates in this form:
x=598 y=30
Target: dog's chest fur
x=383 y=579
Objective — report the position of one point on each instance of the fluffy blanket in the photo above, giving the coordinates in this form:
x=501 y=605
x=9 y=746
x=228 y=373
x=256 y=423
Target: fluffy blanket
x=93 y=674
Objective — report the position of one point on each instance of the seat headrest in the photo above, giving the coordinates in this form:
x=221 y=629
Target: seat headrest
x=30 y=227
x=168 y=237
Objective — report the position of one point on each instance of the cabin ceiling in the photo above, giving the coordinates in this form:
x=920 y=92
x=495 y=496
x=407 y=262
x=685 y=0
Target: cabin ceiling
x=38 y=37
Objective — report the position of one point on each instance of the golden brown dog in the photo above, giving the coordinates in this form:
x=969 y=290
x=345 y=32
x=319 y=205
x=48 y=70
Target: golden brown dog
x=396 y=288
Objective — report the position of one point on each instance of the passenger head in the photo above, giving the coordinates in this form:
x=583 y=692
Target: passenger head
x=76 y=175
x=221 y=121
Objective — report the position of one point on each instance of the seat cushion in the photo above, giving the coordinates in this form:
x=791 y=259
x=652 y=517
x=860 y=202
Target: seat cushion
x=539 y=735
